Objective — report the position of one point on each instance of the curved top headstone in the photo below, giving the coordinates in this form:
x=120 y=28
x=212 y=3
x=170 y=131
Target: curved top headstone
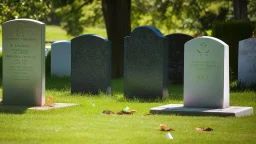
x=61 y=58
x=23 y=19
x=206 y=73
x=147 y=28
x=23 y=62
x=211 y=39
x=179 y=34
x=145 y=64
x=176 y=56
x=247 y=62
x=91 y=36
x=61 y=41
x=90 y=64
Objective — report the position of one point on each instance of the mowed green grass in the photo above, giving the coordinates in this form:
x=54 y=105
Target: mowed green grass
x=85 y=123
x=57 y=33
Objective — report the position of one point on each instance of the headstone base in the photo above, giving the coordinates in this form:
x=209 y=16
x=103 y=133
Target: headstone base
x=53 y=106
x=45 y=107
x=179 y=109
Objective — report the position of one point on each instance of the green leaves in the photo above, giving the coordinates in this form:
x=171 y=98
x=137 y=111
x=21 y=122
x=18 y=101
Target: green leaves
x=34 y=9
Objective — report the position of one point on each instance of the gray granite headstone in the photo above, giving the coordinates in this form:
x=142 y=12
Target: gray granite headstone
x=23 y=62
x=146 y=64
x=247 y=61
x=206 y=73
x=90 y=64
x=176 y=56
x=61 y=58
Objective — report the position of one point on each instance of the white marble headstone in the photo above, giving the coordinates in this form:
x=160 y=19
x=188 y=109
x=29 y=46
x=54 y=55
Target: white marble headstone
x=61 y=58
x=23 y=62
x=247 y=61
x=206 y=73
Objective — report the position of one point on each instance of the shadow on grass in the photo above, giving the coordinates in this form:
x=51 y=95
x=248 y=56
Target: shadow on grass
x=57 y=83
x=13 y=109
x=175 y=93
x=241 y=87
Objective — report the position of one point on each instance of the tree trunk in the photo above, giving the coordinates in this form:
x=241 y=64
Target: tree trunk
x=118 y=24
x=240 y=9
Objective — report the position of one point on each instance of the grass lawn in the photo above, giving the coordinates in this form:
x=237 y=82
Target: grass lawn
x=56 y=33
x=85 y=123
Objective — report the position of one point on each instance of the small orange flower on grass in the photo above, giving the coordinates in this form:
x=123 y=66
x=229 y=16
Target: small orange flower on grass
x=50 y=101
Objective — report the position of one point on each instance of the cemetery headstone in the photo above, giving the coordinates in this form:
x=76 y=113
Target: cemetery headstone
x=61 y=58
x=247 y=61
x=206 y=73
x=146 y=64
x=23 y=62
x=90 y=64
x=176 y=56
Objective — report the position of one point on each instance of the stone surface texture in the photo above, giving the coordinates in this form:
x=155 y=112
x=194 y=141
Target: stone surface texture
x=61 y=58
x=23 y=62
x=206 y=73
x=146 y=64
x=90 y=64
x=176 y=56
x=247 y=61
x=179 y=109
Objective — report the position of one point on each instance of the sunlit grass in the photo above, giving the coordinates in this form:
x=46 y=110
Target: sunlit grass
x=85 y=123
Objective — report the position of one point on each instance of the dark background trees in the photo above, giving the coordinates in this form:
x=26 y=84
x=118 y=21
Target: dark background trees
x=118 y=24
x=119 y=17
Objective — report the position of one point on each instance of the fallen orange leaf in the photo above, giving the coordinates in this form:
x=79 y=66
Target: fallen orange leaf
x=148 y=114
x=165 y=128
x=204 y=129
x=108 y=112
x=125 y=112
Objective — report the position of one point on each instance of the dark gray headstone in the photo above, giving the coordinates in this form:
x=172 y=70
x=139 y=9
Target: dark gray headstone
x=146 y=64
x=176 y=56
x=24 y=62
x=90 y=64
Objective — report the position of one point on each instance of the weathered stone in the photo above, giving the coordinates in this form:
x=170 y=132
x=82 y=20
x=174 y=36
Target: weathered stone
x=23 y=62
x=176 y=56
x=247 y=62
x=90 y=64
x=146 y=64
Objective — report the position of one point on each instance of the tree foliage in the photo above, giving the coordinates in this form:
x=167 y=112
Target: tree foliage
x=194 y=16
x=69 y=14
x=189 y=16
x=34 y=9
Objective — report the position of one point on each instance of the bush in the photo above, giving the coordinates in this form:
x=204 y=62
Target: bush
x=231 y=33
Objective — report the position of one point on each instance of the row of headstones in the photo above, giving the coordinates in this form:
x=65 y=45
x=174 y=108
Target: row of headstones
x=206 y=66
x=61 y=58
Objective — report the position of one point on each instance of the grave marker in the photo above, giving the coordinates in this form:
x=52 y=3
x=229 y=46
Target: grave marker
x=247 y=61
x=61 y=58
x=90 y=64
x=176 y=56
x=146 y=64
x=23 y=62
x=206 y=73
x=206 y=82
